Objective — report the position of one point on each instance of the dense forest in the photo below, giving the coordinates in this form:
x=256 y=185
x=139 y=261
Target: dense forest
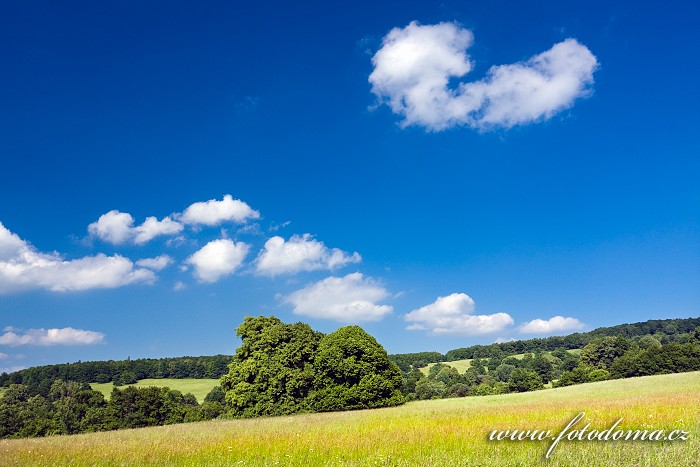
x=289 y=368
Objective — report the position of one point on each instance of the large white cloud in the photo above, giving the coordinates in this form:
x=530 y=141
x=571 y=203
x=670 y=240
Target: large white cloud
x=118 y=227
x=300 y=253
x=551 y=325
x=64 y=336
x=217 y=259
x=349 y=299
x=453 y=315
x=22 y=267
x=413 y=68
x=215 y=212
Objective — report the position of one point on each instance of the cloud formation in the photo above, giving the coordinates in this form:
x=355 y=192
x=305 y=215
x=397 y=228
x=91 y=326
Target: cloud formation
x=348 y=299
x=300 y=253
x=453 y=315
x=552 y=325
x=217 y=259
x=156 y=264
x=215 y=212
x=22 y=267
x=118 y=227
x=413 y=68
x=48 y=337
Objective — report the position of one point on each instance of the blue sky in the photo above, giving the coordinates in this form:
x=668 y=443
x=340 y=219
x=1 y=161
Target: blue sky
x=441 y=174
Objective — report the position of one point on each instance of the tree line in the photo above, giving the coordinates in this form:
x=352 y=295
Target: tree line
x=72 y=407
x=38 y=380
x=665 y=331
x=603 y=358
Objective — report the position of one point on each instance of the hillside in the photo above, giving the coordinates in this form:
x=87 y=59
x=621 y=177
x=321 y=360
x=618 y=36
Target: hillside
x=439 y=432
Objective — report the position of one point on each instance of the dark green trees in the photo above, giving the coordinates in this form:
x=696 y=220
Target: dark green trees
x=272 y=371
x=288 y=368
x=354 y=372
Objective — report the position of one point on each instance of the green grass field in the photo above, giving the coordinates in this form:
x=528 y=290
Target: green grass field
x=198 y=387
x=425 y=433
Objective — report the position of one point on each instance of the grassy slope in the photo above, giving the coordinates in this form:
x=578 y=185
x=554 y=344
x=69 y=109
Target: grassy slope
x=199 y=387
x=437 y=432
x=463 y=365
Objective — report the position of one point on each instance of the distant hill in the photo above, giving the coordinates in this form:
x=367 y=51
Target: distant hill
x=665 y=330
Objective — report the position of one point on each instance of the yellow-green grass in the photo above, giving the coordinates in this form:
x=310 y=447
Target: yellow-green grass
x=198 y=387
x=446 y=432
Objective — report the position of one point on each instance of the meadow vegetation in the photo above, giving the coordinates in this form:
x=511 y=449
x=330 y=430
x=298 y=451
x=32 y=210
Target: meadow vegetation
x=199 y=388
x=421 y=433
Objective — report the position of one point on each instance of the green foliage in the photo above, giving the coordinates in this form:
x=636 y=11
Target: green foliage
x=272 y=372
x=602 y=352
x=503 y=372
x=353 y=371
x=289 y=368
x=522 y=380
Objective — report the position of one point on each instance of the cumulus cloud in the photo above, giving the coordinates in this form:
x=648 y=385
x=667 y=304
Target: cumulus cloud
x=300 y=253
x=156 y=264
x=413 y=68
x=215 y=212
x=552 y=325
x=218 y=258
x=349 y=299
x=22 y=267
x=47 y=337
x=453 y=315
x=118 y=227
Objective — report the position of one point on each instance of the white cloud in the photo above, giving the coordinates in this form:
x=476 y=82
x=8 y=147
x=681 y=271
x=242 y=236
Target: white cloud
x=22 y=267
x=12 y=369
x=113 y=227
x=179 y=285
x=218 y=258
x=300 y=253
x=64 y=336
x=156 y=264
x=502 y=340
x=413 y=68
x=552 y=325
x=215 y=212
x=453 y=315
x=118 y=227
x=152 y=228
x=348 y=299
x=4 y=356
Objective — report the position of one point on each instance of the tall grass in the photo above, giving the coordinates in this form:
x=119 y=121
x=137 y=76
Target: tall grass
x=424 y=433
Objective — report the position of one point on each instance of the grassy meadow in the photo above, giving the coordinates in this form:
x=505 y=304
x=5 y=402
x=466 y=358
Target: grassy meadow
x=198 y=387
x=424 y=433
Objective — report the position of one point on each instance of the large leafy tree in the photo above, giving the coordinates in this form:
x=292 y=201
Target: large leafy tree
x=272 y=372
x=353 y=371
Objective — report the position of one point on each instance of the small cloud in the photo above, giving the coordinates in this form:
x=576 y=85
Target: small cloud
x=502 y=340
x=414 y=66
x=300 y=253
x=156 y=264
x=12 y=369
x=215 y=212
x=217 y=259
x=4 y=356
x=118 y=228
x=50 y=337
x=552 y=325
x=179 y=285
x=348 y=299
x=453 y=315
